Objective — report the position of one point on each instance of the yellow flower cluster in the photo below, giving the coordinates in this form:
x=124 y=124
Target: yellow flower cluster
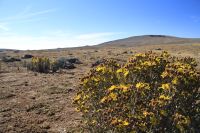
x=119 y=122
x=114 y=91
x=163 y=97
x=101 y=69
x=141 y=85
x=124 y=71
x=124 y=88
x=165 y=86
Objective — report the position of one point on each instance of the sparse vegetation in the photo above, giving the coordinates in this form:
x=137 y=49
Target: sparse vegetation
x=150 y=93
x=40 y=64
x=196 y=44
x=44 y=101
x=45 y=65
x=10 y=59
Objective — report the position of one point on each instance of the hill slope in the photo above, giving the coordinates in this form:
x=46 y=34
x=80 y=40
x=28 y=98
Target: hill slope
x=149 y=40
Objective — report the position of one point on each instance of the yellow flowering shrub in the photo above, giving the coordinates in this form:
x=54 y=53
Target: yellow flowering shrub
x=42 y=65
x=150 y=93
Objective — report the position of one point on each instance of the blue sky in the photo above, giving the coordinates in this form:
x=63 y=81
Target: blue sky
x=42 y=24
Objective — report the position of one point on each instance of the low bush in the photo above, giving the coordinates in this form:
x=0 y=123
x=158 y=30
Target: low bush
x=45 y=65
x=67 y=63
x=10 y=59
x=40 y=64
x=61 y=62
x=27 y=56
x=150 y=93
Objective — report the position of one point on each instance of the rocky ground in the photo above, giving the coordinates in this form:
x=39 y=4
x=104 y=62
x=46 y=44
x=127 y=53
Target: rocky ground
x=35 y=102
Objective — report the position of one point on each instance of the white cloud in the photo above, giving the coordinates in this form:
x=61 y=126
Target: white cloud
x=26 y=14
x=13 y=41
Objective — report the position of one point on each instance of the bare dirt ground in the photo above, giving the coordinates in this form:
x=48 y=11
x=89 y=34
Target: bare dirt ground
x=35 y=102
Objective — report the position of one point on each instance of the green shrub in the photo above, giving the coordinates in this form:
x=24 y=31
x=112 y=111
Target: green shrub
x=60 y=62
x=54 y=66
x=150 y=93
x=67 y=63
x=10 y=59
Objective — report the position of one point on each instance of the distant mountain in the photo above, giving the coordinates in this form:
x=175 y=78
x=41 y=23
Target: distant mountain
x=3 y=49
x=149 y=40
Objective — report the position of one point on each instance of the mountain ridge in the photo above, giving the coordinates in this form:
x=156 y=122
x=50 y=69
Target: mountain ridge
x=150 y=40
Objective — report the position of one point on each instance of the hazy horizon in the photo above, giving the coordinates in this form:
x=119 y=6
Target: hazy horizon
x=47 y=24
